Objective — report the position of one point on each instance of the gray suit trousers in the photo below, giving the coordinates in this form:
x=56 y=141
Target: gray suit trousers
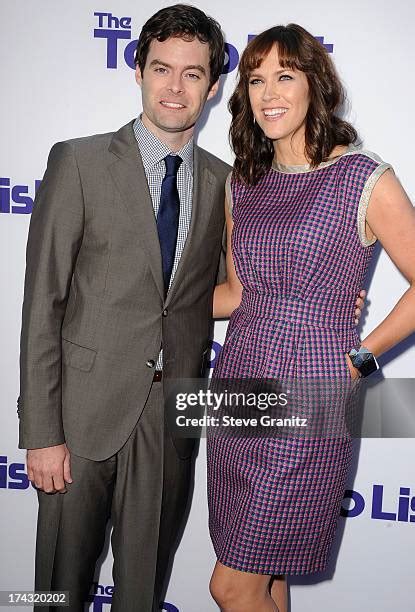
x=144 y=489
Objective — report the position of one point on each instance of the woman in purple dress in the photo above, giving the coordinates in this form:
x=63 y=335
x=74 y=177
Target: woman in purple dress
x=304 y=208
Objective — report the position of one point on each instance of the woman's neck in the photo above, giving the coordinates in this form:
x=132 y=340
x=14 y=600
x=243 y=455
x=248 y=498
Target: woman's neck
x=289 y=152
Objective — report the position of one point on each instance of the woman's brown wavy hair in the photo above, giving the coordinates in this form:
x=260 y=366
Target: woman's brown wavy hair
x=297 y=49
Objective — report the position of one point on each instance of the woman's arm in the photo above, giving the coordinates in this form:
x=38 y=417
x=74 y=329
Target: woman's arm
x=227 y=296
x=391 y=218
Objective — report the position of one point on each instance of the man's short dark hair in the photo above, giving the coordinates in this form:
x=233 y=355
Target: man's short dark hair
x=187 y=22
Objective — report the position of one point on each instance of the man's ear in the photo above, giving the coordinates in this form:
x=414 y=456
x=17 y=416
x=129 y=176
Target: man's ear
x=213 y=90
x=138 y=76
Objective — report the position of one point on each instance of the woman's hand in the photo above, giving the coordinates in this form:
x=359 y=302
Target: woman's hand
x=360 y=302
x=354 y=372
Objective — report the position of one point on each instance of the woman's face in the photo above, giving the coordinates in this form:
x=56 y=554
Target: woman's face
x=279 y=99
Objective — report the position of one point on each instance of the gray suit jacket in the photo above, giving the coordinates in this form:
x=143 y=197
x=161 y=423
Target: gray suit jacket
x=94 y=316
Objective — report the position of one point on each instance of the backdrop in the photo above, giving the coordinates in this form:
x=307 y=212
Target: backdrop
x=66 y=71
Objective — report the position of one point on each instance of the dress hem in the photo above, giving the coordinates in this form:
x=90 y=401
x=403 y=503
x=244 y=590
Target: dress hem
x=272 y=571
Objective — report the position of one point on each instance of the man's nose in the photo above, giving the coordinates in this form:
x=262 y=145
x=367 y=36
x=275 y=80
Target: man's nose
x=175 y=84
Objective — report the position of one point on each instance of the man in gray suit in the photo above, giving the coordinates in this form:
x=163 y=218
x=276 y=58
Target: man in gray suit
x=123 y=253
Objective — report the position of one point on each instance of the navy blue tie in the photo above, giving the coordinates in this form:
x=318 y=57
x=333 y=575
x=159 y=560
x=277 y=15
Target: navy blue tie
x=168 y=217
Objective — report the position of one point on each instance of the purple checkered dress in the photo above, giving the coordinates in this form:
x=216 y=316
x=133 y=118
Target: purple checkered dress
x=301 y=253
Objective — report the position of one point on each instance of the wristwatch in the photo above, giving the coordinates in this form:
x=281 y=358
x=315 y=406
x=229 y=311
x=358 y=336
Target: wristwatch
x=364 y=361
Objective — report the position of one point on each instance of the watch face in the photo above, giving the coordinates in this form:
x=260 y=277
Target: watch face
x=368 y=367
x=359 y=360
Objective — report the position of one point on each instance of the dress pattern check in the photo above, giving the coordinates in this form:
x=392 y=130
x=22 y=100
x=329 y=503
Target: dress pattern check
x=274 y=502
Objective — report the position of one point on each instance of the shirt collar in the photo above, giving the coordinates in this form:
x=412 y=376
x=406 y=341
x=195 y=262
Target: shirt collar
x=154 y=150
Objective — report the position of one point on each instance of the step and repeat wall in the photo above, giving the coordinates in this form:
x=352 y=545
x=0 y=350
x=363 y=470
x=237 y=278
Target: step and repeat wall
x=67 y=71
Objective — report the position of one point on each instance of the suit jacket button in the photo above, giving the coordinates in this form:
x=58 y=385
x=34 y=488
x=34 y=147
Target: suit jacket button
x=150 y=363
x=165 y=312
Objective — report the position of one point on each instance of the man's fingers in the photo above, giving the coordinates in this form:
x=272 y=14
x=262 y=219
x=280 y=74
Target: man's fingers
x=57 y=475
x=362 y=294
x=67 y=468
x=48 y=486
x=46 y=467
x=30 y=474
x=35 y=475
x=359 y=303
x=38 y=481
x=59 y=484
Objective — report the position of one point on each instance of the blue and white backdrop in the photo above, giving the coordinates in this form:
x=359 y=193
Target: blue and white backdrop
x=66 y=71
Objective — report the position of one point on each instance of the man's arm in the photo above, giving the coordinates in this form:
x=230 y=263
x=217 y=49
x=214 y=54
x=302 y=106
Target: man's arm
x=55 y=236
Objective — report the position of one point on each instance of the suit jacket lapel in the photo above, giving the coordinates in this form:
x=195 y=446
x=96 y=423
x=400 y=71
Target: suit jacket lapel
x=202 y=202
x=128 y=173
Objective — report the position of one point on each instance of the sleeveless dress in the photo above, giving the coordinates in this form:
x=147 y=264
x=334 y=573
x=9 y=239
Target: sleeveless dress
x=301 y=253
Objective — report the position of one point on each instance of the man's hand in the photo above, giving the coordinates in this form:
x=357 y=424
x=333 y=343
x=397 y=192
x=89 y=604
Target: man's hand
x=360 y=301
x=49 y=468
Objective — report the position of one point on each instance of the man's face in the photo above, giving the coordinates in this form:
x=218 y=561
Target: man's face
x=175 y=86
